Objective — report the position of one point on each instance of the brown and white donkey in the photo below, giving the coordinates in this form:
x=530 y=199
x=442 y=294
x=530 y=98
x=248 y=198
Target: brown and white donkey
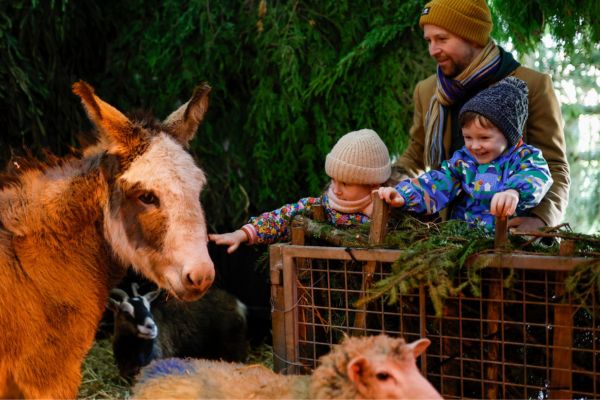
x=68 y=230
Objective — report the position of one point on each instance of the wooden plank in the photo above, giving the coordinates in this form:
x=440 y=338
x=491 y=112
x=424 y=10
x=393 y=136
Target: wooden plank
x=376 y=235
x=561 y=377
x=423 y=325
x=277 y=320
x=530 y=262
x=494 y=312
x=498 y=260
x=290 y=314
x=494 y=317
x=501 y=237
x=298 y=239
x=318 y=212
x=339 y=253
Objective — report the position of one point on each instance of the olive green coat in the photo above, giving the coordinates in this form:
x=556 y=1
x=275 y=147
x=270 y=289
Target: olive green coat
x=544 y=130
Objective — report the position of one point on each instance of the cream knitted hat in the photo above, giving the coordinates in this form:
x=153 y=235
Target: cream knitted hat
x=359 y=157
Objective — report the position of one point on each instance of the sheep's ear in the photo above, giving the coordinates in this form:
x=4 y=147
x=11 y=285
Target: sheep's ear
x=112 y=124
x=418 y=346
x=183 y=122
x=357 y=372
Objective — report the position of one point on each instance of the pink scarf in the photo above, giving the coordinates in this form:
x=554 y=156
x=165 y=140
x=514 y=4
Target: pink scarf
x=363 y=206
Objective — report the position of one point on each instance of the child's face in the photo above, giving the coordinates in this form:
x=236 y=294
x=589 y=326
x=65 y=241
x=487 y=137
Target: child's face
x=350 y=191
x=484 y=144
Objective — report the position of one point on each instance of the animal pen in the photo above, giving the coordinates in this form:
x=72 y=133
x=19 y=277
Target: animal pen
x=528 y=339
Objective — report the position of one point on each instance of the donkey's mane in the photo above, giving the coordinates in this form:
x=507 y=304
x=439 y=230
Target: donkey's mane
x=89 y=143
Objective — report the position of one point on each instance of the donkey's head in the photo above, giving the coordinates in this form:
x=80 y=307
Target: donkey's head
x=152 y=217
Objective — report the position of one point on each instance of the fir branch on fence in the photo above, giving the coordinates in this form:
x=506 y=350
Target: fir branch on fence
x=435 y=254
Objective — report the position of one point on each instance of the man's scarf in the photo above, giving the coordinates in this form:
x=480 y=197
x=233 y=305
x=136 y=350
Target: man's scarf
x=450 y=90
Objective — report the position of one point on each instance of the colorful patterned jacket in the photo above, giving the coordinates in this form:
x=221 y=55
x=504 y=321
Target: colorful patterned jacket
x=544 y=131
x=470 y=186
x=273 y=226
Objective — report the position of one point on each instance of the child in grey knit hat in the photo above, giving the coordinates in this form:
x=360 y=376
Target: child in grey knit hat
x=357 y=164
x=494 y=174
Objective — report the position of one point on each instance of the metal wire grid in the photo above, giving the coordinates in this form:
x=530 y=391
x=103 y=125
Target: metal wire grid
x=501 y=346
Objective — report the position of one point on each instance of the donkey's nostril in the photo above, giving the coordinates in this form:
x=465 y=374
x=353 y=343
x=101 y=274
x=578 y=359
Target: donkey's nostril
x=194 y=280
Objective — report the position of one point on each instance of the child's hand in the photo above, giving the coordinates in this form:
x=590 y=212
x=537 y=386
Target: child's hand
x=231 y=239
x=390 y=195
x=504 y=204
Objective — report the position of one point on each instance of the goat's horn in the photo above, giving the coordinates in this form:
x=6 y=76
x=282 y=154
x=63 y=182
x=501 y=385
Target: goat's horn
x=119 y=292
x=134 y=288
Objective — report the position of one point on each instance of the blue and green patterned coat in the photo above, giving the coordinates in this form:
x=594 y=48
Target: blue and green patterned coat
x=470 y=186
x=273 y=226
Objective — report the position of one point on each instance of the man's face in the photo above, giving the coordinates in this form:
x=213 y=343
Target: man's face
x=452 y=53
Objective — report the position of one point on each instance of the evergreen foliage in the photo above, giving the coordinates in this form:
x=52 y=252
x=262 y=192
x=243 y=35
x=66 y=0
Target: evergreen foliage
x=289 y=77
x=567 y=21
x=441 y=257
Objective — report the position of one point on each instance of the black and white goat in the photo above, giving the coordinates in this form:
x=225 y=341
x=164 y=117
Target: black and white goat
x=213 y=327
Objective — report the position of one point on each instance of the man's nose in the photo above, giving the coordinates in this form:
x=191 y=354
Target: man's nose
x=434 y=50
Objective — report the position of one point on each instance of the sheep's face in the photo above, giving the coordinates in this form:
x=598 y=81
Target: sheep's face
x=392 y=375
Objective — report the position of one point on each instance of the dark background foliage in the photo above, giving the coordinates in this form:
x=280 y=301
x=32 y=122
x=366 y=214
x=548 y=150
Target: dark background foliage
x=289 y=78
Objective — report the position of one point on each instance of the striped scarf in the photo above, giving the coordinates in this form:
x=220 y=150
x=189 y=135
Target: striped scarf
x=449 y=90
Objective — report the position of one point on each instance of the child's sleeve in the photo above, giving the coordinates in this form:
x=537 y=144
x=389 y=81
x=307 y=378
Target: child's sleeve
x=531 y=178
x=432 y=191
x=273 y=226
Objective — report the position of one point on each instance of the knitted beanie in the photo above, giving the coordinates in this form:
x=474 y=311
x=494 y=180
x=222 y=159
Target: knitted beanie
x=505 y=104
x=359 y=157
x=469 y=19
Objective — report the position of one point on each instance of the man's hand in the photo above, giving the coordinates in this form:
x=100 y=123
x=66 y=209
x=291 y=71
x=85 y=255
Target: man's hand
x=526 y=224
x=390 y=195
x=231 y=239
x=504 y=204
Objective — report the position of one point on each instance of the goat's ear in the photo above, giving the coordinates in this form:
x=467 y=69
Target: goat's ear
x=357 y=373
x=112 y=123
x=113 y=304
x=183 y=123
x=418 y=346
x=151 y=296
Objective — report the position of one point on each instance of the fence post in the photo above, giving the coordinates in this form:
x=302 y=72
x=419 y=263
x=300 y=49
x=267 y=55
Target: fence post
x=562 y=341
x=377 y=233
x=277 y=308
x=494 y=311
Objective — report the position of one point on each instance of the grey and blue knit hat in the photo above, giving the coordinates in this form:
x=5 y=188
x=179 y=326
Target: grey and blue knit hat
x=505 y=104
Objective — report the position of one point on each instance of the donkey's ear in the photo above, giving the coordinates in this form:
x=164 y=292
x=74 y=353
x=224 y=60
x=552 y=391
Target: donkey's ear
x=183 y=122
x=110 y=121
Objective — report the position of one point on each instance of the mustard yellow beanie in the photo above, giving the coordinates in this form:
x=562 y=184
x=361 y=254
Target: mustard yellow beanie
x=469 y=19
x=359 y=157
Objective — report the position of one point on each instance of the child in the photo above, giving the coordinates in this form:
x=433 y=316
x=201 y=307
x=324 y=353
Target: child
x=358 y=164
x=494 y=174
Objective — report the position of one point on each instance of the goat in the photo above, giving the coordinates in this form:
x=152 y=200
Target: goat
x=213 y=327
x=70 y=226
x=373 y=367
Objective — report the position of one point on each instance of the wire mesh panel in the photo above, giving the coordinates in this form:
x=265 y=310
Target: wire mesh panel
x=522 y=338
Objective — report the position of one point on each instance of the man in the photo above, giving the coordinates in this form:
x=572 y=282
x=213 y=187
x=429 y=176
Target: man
x=458 y=35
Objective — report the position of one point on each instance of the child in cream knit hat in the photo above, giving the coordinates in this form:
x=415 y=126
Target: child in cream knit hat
x=357 y=164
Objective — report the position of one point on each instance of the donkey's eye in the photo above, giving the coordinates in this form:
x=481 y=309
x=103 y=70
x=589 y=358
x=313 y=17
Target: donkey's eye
x=148 y=198
x=382 y=376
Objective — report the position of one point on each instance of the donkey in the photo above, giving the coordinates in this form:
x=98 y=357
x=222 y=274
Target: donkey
x=69 y=229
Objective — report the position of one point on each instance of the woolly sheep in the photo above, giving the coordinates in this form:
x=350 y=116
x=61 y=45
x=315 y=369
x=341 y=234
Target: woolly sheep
x=360 y=368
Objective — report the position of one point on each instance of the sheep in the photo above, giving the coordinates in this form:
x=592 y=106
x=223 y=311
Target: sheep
x=213 y=327
x=372 y=367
